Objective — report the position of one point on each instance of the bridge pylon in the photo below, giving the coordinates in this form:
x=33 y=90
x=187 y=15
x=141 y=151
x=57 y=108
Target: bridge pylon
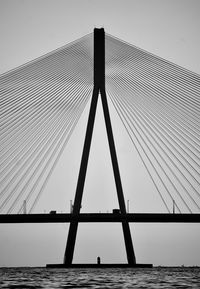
x=99 y=89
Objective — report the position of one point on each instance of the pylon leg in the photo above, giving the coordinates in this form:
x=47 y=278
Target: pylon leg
x=69 y=251
x=125 y=225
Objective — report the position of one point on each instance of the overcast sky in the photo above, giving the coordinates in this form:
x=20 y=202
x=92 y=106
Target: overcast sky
x=167 y=28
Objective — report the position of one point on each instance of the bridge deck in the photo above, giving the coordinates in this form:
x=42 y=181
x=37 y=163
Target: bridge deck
x=101 y=217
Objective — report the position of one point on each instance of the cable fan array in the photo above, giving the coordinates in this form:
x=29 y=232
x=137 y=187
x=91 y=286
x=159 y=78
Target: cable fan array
x=157 y=101
x=41 y=103
x=159 y=105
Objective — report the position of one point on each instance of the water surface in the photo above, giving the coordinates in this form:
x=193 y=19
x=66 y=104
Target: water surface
x=100 y=278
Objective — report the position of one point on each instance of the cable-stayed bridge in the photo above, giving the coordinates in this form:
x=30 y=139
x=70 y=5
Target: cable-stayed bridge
x=157 y=101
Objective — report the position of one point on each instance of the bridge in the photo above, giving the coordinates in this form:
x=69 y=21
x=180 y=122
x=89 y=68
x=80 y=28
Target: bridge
x=101 y=217
x=157 y=101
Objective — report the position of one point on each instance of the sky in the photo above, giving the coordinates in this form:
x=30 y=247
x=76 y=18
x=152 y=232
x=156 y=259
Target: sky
x=167 y=28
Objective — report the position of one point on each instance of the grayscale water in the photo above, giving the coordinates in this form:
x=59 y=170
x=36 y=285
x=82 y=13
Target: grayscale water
x=100 y=278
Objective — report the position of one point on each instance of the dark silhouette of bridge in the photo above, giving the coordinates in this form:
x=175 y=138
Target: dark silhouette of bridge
x=179 y=171
x=101 y=217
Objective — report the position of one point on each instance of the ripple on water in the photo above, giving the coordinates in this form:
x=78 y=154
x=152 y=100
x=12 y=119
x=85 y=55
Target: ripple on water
x=99 y=278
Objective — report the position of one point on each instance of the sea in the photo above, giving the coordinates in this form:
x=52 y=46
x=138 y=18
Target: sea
x=159 y=277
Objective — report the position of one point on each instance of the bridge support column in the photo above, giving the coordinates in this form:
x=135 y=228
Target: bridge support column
x=99 y=88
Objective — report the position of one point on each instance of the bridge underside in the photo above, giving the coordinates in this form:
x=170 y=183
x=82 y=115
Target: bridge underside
x=101 y=218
